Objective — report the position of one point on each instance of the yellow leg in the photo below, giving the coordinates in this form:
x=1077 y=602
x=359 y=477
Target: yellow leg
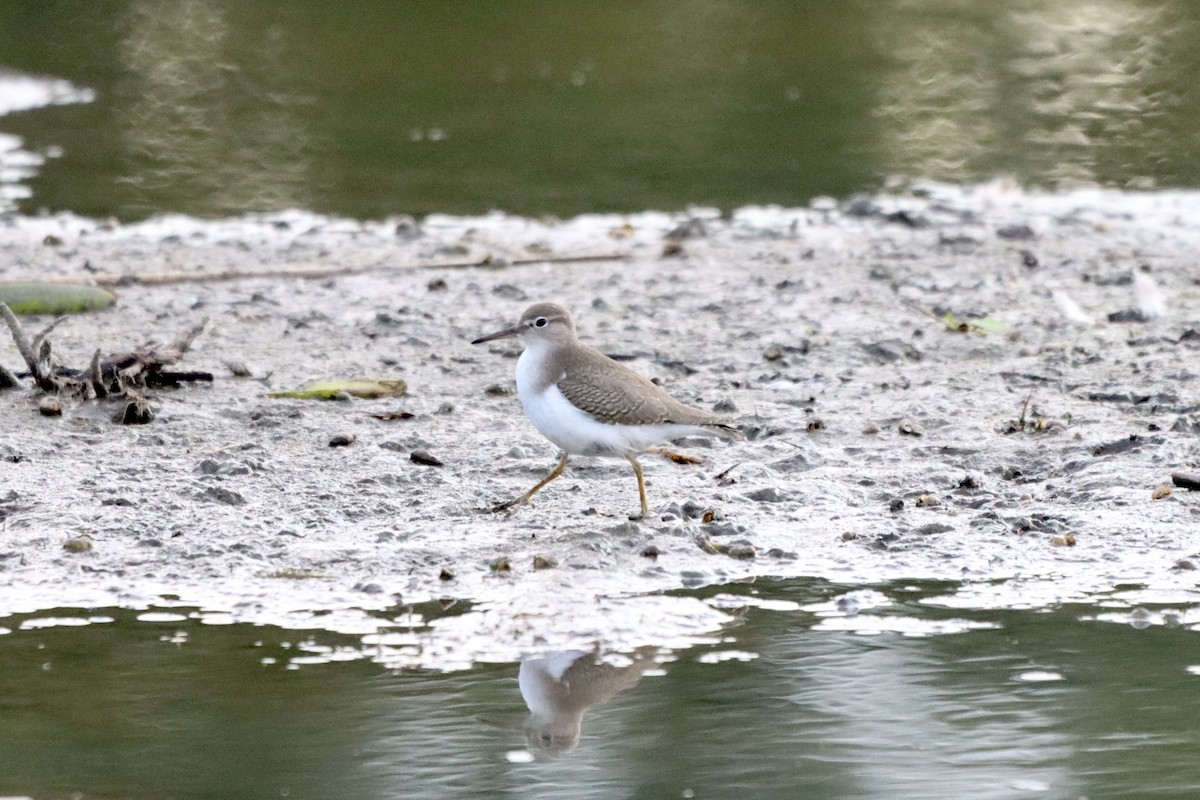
x=637 y=470
x=523 y=499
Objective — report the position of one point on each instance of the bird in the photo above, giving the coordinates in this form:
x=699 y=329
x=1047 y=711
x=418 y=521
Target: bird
x=559 y=687
x=590 y=405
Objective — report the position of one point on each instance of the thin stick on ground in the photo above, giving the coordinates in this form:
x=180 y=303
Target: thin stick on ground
x=44 y=381
x=39 y=341
x=113 y=280
x=95 y=377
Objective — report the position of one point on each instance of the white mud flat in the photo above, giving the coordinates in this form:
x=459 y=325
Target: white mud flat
x=1015 y=459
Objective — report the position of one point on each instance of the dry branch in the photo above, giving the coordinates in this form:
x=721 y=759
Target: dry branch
x=111 y=280
x=121 y=374
x=43 y=379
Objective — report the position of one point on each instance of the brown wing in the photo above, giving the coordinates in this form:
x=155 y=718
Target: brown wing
x=611 y=392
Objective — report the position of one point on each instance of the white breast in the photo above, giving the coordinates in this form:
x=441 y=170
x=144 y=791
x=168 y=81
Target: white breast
x=579 y=433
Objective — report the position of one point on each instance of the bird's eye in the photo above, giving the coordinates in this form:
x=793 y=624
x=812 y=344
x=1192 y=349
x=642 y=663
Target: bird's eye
x=540 y=322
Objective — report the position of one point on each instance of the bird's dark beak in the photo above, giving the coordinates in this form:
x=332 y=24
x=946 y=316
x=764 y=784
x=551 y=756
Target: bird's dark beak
x=513 y=331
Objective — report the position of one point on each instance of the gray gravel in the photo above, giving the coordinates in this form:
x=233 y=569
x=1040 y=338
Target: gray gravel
x=882 y=445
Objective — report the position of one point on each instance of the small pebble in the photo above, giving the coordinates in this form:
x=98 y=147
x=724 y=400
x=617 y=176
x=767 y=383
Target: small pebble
x=136 y=412
x=650 y=551
x=1186 y=480
x=237 y=369
x=506 y=290
x=343 y=439
x=895 y=505
x=1161 y=492
x=849 y=536
x=399 y=413
x=815 y=424
x=437 y=285
x=926 y=500
x=693 y=228
x=1063 y=541
x=446 y=574
x=870 y=429
x=909 y=428
x=773 y=353
x=50 y=406
x=742 y=551
x=407 y=228
x=501 y=564
x=1016 y=232
x=497 y=390
x=544 y=562
x=424 y=458
x=220 y=494
x=78 y=544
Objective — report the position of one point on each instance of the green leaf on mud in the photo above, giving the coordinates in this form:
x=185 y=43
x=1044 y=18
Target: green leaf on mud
x=329 y=390
x=982 y=326
x=31 y=297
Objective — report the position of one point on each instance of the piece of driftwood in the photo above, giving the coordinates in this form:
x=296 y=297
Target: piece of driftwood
x=112 y=280
x=121 y=376
x=30 y=351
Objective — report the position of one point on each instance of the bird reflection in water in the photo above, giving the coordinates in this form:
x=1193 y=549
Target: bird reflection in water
x=560 y=687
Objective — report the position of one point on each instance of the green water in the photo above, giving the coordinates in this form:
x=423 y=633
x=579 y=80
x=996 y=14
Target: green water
x=1043 y=704
x=368 y=109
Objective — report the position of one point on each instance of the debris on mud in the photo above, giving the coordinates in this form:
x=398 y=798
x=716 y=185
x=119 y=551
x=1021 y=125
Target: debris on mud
x=425 y=459
x=228 y=486
x=120 y=376
x=334 y=390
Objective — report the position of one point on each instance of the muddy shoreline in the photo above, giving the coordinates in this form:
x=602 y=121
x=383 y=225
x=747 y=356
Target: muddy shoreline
x=820 y=330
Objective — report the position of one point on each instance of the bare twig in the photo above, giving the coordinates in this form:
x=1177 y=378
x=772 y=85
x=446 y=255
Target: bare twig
x=39 y=341
x=1024 y=411
x=96 y=377
x=118 y=374
x=111 y=280
x=27 y=351
x=720 y=476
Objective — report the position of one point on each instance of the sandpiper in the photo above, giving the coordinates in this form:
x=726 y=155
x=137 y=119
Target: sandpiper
x=590 y=405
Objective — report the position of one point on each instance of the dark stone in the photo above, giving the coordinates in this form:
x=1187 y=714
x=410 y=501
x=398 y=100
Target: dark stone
x=220 y=494
x=424 y=458
x=888 y=351
x=1016 y=233
x=767 y=494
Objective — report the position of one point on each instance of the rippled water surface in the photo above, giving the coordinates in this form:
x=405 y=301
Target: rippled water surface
x=819 y=691
x=218 y=107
